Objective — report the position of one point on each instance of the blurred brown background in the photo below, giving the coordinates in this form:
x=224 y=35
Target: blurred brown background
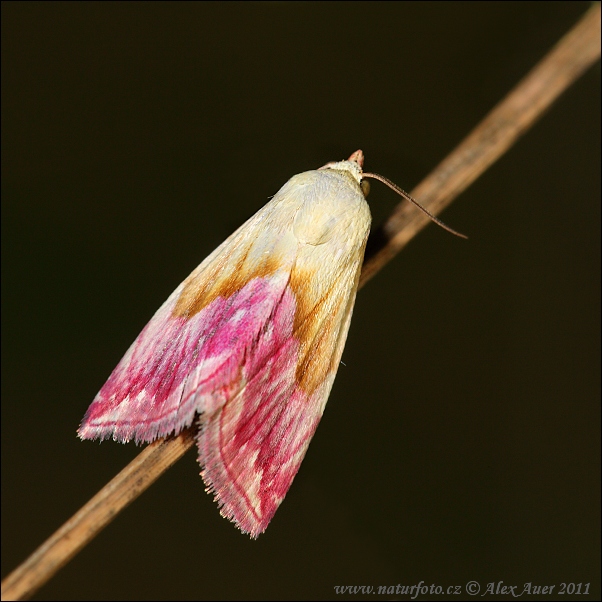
x=461 y=440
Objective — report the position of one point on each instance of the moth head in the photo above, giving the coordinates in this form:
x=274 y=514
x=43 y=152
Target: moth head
x=353 y=165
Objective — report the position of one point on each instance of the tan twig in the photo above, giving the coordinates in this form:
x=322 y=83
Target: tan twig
x=65 y=543
x=500 y=129
x=575 y=52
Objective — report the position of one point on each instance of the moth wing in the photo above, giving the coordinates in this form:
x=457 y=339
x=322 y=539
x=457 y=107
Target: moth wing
x=250 y=342
x=252 y=446
x=187 y=358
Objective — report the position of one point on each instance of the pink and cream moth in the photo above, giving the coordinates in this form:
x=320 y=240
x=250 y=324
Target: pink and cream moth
x=249 y=344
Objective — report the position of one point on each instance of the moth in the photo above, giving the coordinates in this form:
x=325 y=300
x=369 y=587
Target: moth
x=248 y=346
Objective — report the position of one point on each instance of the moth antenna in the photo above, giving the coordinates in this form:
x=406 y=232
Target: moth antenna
x=412 y=200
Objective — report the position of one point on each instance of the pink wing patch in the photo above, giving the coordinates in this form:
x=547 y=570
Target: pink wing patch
x=234 y=362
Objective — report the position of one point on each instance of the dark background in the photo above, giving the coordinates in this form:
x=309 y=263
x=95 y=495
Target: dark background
x=461 y=439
